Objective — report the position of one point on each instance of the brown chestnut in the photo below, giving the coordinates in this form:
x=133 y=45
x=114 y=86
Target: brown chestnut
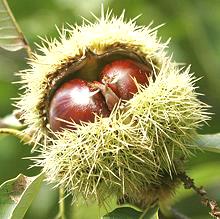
x=120 y=76
x=78 y=101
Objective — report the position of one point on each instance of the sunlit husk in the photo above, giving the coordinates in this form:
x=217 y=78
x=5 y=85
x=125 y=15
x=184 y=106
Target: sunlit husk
x=143 y=140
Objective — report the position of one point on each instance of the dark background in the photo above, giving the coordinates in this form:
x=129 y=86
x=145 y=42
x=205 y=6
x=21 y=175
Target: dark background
x=193 y=26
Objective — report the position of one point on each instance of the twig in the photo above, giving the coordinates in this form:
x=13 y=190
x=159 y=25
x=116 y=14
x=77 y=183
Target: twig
x=212 y=204
x=61 y=213
x=61 y=202
x=19 y=134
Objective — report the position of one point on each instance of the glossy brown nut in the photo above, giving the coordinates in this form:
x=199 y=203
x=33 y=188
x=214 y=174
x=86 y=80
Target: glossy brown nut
x=119 y=75
x=75 y=101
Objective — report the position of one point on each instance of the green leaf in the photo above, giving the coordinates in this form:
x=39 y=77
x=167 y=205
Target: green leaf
x=16 y=195
x=11 y=37
x=209 y=142
x=130 y=213
x=152 y=213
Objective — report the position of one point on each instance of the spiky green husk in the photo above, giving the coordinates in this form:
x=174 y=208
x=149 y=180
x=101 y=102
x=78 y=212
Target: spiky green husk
x=107 y=32
x=143 y=141
x=131 y=151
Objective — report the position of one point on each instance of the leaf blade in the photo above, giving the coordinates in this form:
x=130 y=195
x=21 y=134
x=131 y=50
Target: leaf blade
x=131 y=213
x=17 y=194
x=209 y=142
x=11 y=38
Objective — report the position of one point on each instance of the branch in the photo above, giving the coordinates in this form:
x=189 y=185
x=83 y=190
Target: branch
x=19 y=134
x=212 y=204
x=61 y=213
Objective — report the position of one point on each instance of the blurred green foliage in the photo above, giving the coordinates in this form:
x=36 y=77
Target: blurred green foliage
x=194 y=29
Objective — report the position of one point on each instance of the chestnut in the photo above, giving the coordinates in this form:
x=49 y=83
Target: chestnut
x=78 y=101
x=120 y=76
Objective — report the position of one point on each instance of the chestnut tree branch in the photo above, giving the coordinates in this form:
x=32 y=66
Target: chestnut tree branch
x=61 y=213
x=212 y=204
x=17 y=133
